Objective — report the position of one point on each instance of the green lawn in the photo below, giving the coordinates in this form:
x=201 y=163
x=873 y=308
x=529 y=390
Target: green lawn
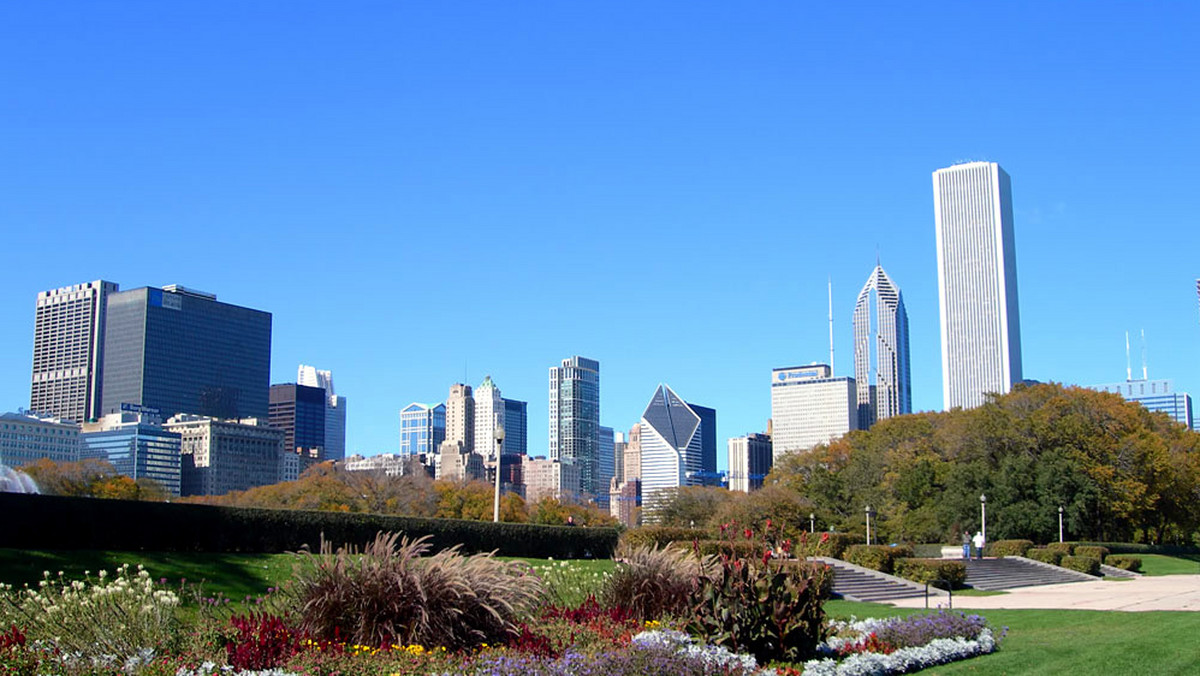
x=1159 y=564
x=1072 y=641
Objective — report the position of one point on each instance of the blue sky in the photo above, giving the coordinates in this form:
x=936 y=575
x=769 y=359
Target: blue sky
x=426 y=192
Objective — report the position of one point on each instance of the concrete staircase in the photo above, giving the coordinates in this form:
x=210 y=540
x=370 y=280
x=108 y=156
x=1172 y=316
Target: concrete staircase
x=1113 y=571
x=1018 y=571
x=856 y=583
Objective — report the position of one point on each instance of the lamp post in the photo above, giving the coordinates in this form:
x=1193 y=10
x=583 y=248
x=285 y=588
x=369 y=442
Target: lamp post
x=983 y=516
x=812 y=522
x=498 y=435
x=868 y=524
x=1060 y=531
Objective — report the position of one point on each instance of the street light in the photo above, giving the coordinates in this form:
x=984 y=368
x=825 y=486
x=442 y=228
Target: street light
x=498 y=435
x=812 y=522
x=1060 y=511
x=983 y=516
x=868 y=524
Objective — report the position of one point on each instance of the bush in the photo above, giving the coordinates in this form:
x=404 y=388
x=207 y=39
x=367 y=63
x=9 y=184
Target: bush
x=1094 y=551
x=395 y=594
x=729 y=548
x=941 y=573
x=1008 y=547
x=661 y=536
x=1124 y=562
x=114 y=617
x=1139 y=548
x=831 y=545
x=877 y=557
x=54 y=522
x=768 y=607
x=1053 y=557
x=1083 y=564
x=653 y=582
x=1064 y=548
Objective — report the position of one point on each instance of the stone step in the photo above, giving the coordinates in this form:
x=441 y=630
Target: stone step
x=860 y=584
x=1014 y=571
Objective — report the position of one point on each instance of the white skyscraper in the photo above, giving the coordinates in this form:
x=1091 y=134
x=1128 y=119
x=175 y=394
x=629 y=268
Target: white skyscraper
x=809 y=406
x=672 y=436
x=489 y=414
x=335 y=410
x=881 y=367
x=68 y=351
x=977 y=282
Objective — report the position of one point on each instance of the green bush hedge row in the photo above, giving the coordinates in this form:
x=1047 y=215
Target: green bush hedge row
x=877 y=557
x=1008 y=547
x=1094 y=551
x=941 y=573
x=1124 y=562
x=1053 y=557
x=661 y=536
x=54 y=522
x=1064 y=548
x=1083 y=564
x=1133 y=548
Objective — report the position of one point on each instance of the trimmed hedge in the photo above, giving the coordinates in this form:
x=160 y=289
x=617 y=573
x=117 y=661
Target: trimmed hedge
x=1094 y=551
x=1053 y=557
x=877 y=557
x=1137 y=548
x=1124 y=562
x=661 y=536
x=941 y=573
x=1008 y=547
x=1065 y=548
x=1083 y=564
x=55 y=522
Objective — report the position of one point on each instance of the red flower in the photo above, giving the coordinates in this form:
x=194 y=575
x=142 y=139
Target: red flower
x=824 y=538
x=748 y=534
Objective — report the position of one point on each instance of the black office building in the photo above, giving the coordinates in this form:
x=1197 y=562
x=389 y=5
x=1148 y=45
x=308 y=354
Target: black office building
x=182 y=351
x=299 y=410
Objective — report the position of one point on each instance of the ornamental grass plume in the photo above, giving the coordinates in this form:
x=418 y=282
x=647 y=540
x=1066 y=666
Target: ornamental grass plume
x=654 y=582
x=394 y=592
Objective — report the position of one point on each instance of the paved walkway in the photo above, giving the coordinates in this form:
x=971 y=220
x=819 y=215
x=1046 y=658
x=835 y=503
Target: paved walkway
x=1167 y=592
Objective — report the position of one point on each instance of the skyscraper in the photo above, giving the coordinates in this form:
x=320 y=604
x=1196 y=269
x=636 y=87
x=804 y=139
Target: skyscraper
x=809 y=406
x=516 y=427
x=422 y=429
x=750 y=460
x=673 y=437
x=335 y=410
x=489 y=414
x=182 y=351
x=575 y=420
x=881 y=368
x=68 y=351
x=977 y=282
x=299 y=410
x=460 y=417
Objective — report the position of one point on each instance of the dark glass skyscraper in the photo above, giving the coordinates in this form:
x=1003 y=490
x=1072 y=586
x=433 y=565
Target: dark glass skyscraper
x=299 y=411
x=182 y=351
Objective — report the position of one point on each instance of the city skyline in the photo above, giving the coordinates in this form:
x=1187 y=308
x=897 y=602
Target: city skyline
x=666 y=190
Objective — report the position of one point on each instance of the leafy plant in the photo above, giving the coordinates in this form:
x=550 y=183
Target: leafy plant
x=1124 y=562
x=1083 y=564
x=262 y=641
x=877 y=557
x=653 y=582
x=393 y=593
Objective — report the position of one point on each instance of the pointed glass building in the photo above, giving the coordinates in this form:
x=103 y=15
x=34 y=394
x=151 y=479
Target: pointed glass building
x=881 y=366
x=675 y=440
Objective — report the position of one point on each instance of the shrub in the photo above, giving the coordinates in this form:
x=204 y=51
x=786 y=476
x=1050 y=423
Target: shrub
x=1065 y=548
x=116 y=617
x=734 y=548
x=1124 y=562
x=395 y=594
x=942 y=573
x=1096 y=552
x=877 y=557
x=652 y=581
x=768 y=607
x=1008 y=547
x=831 y=545
x=1139 y=548
x=1053 y=557
x=661 y=536
x=1083 y=564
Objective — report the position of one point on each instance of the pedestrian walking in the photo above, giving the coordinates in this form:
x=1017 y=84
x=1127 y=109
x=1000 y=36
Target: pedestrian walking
x=966 y=543
x=979 y=543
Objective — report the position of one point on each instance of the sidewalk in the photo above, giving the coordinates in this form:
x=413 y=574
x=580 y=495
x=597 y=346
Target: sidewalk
x=1167 y=592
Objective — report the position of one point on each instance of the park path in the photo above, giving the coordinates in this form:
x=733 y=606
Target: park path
x=1167 y=592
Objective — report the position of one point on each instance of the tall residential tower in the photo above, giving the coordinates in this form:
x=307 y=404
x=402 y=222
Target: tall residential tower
x=881 y=368
x=68 y=351
x=977 y=282
x=575 y=420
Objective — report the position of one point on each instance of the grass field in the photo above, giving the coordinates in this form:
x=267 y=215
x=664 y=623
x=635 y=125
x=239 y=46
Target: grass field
x=1182 y=564
x=1072 y=641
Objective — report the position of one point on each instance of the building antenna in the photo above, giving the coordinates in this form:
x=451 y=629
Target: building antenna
x=1128 y=364
x=831 y=371
x=1144 y=376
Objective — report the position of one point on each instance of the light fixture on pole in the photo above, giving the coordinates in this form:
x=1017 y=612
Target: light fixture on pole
x=812 y=522
x=983 y=516
x=1060 y=531
x=868 y=524
x=498 y=435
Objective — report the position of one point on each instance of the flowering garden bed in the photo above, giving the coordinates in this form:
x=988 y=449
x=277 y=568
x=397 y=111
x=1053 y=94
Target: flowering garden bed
x=396 y=609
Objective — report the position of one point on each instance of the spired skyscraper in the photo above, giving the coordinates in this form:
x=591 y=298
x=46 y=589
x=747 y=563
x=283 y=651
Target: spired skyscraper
x=881 y=366
x=575 y=421
x=977 y=282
